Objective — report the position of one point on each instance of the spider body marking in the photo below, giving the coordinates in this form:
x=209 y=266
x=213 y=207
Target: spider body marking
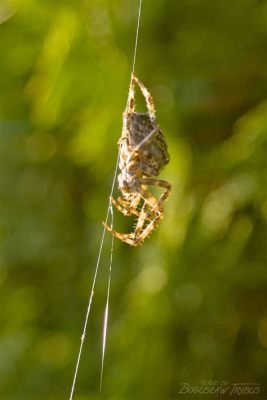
x=142 y=154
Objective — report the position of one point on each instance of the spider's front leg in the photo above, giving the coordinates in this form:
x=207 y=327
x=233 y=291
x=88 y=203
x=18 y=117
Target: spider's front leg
x=148 y=98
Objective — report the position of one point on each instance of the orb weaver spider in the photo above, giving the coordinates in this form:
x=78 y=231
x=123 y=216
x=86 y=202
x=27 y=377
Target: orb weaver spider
x=142 y=154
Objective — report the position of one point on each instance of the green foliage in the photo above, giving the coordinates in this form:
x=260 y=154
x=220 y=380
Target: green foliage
x=190 y=304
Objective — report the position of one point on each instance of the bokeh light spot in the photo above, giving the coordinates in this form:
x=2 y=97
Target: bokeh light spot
x=151 y=280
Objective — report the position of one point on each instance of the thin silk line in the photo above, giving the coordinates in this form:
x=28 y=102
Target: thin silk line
x=135 y=50
x=105 y=325
x=110 y=209
x=137 y=34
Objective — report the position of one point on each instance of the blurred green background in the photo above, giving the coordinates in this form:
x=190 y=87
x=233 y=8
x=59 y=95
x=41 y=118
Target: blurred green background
x=188 y=306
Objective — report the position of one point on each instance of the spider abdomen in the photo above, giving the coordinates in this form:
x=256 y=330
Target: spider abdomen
x=139 y=126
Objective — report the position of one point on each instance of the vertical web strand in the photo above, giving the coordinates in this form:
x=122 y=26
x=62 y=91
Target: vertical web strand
x=105 y=325
x=109 y=211
x=137 y=34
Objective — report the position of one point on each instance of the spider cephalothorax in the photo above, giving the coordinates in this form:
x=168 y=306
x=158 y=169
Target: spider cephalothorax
x=142 y=154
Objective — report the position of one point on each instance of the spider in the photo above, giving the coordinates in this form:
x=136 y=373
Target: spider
x=142 y=154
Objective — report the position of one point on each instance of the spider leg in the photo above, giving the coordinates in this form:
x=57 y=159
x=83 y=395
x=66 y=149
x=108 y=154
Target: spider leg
x=141 y=231
x=146 y=225
x=148 y=197
x=148 y=98
x=160 y=183
x=127 y=206
x=141 y=219
x=130 y=102
x=130 y=107
x=128 y=238
x=150 y=227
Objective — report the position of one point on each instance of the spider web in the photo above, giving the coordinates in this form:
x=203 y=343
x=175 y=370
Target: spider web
x=109 y=215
